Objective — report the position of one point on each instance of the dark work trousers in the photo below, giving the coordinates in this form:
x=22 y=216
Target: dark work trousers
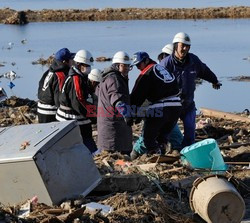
x=188 y=119
x=87 y=137
x=46 y=118
x=158 y=126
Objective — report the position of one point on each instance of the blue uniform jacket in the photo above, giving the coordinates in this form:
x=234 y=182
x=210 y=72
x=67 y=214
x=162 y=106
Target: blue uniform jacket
x=186 y=72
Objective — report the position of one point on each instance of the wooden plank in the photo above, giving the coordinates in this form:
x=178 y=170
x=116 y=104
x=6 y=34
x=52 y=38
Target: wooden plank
x=238 y=163
x=235 y=145
x=224 y=115
x=147 y=166
x=176 y=169
x=163 y=159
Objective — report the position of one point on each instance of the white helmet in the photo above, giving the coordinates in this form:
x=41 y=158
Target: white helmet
x=121 y=57
x=84 y=56
x=95 y=75
x=182 y=38
x=168 y=48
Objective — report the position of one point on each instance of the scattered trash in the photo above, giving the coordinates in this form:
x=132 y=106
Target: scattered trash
x=24 y=210
x=11 y=85
x=241 y=78
x=215 y=199
x=10 y=45
x=24 y=145
x=246 y=112
x=103 y=59
x=94 y=207
x=3 y=94
x=203 y=123
x=23 y=41
x=204 y=155
x=134 y=192
x=10 y=75
x=123 y=163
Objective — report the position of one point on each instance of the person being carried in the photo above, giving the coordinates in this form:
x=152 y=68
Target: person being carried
x=51 y=84
x=187 y=67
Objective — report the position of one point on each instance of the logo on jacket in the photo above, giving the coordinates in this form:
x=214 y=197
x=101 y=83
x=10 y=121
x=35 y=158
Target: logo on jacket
x=46 y=81
x=163 y=74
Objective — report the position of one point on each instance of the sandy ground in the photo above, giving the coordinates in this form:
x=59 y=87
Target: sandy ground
x=9 y=16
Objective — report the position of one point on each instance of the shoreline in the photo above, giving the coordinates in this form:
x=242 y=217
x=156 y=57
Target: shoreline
x=10 y=16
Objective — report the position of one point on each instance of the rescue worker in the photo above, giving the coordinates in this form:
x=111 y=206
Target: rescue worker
x=73 y=104
x=175 y=137
x=51 y=83
x=166 y=50
x=94 y=79
x=160 y=88
x=187 y=67
x=113 y=123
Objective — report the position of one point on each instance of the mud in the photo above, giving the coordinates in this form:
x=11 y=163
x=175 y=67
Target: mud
x=10 y=16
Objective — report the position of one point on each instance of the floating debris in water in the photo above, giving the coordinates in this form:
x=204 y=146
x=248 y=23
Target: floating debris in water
x=240 y=78
x=43 y=61
x=24 y=41
x=10 y=75
x=246 y=58
x=3 y=94
x=10 y=45
x=11 y=85
x=103 y=59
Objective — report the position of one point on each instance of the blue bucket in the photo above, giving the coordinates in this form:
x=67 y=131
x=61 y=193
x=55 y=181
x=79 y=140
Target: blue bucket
x=205 y=155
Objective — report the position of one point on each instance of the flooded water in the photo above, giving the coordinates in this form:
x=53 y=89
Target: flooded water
x=85 y=4
x=222 y=44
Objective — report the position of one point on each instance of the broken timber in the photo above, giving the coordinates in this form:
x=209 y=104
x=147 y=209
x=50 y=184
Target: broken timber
x=224 y=115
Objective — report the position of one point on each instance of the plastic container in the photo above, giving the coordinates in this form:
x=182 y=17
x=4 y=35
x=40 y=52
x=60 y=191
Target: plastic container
x=204 y=154
x=216 y=199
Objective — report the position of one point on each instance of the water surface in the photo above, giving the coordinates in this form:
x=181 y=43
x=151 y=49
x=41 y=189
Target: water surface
x=221 y=44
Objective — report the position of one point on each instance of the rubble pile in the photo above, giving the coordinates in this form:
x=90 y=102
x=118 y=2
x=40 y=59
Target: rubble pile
x=18 y=18
x=152 y=188
x=17 y=111
x=10 y=16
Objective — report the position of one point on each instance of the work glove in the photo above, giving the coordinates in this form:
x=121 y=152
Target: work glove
x=123 y=110
x=129 y=121
x=217 y=85
x=137 y=120
x=93 y=120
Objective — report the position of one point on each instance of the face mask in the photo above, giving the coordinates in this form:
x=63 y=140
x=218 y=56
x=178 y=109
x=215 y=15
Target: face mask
x=87 y=70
